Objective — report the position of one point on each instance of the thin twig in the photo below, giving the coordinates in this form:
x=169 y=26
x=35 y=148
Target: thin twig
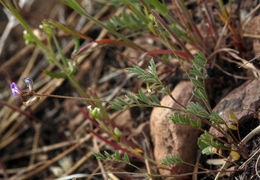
x=196 y=168
x=15 y=108
x=249 y=159
x=250 y=14
x=230 y=74
x=256 y=166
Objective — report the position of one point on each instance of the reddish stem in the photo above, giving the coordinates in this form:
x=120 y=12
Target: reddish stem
x=15 y=108
x=116 y=146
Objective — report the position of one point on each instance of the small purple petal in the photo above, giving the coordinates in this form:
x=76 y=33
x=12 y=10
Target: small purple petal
x=16 y=90
x=28 y=82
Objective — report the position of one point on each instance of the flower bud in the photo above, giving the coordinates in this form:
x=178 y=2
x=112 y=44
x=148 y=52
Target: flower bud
x=118 y=133
x=29 y=83
x=72 y=67
x=28 y=38
x=48 y=29
x=95 y=113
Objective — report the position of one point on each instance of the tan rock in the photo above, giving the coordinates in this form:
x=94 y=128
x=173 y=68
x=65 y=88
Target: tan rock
x=170 y=139
x=243 y=101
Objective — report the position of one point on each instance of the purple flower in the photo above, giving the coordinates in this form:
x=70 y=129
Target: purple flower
x=16 y=90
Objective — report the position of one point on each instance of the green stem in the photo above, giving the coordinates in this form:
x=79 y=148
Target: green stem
x=223 y=9
x=204 y=89
x=51 y=55
x=155 y=105
x=135 y=10
x=67 y=97
x=98 y=103
x=74 y=5
x=74 y=81
x=232 y=136
x=175 y=100
x=104 y=127
x=63 y=58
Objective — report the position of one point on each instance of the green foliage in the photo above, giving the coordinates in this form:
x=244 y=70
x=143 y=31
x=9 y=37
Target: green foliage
x=74 y=5
x=116 y=106
x=63 y=58
x=208 y=150
x=117 y=3
x=214 y=117
x=200 y=60
x=122 y=101
x=114 y=157
x=155 y=3
x=134 y=20
x=118 y=133
x=196 y=83
x=155 y=99
x=149 y=76
x=232 y=116
x=54 y=74
x=142 y=96
x=197 y=110
x=185 y=120
x=180 y=33
x=200 y=94
x=77 y=45
x=100 y=156
x=48 y=29
x=198 y=72
x=126 y=21
x=126 y=158
x=159 y=6
x=206 y=143
x=95 y=113
x=140 y=18
x=28 y=38
x=171 y=160
x=135 y=100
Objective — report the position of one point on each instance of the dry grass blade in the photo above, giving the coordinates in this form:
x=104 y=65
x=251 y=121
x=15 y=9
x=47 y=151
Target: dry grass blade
x=81 y=161
x=100 y=164
x=55 y=159
x=85 y=49
x=257 y=166
x=35 y=142
x=19 y=171
x=23 y=52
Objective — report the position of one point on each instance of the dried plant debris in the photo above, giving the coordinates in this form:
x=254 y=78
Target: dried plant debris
x=86 y=89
